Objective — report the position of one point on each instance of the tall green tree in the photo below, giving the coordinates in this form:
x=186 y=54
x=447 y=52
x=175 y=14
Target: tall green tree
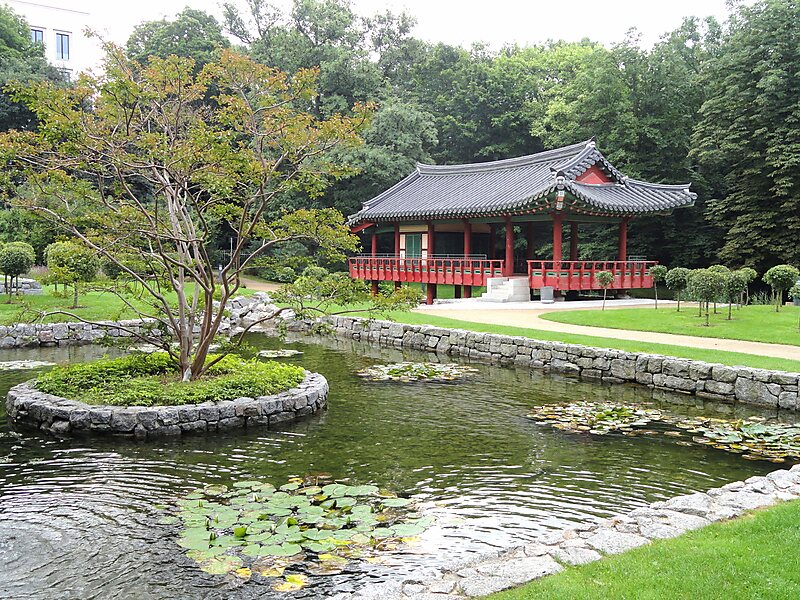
x=748 y=135
x=192 y=34
x=20 y=60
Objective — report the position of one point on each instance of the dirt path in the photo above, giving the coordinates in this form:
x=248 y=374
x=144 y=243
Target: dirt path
x=260 y=286
x=530 y=318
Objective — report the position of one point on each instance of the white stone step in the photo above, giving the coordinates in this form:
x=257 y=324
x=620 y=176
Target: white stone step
x=506 y=289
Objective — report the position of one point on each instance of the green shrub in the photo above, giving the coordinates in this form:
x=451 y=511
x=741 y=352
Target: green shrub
x=71 y=263
x=780 y=278
x=153 y=379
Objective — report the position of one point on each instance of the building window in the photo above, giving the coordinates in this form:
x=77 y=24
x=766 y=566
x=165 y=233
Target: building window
x=37 y=36
x=62 y=46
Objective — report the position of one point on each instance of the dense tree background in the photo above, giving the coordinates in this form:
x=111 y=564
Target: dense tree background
x=717 y=104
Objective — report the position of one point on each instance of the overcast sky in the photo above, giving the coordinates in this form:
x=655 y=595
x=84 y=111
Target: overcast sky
x=495 y=22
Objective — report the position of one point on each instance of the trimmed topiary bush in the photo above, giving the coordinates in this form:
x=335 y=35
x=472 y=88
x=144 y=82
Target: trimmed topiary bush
x=16 y=258
x=659 y=274
x=604 y=280
x=780 y=278
x=706 y=285
x=71 y=263
x=677 y=280
x=153 y=380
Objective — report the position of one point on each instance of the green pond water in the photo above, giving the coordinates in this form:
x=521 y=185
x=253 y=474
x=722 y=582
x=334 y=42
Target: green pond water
x=79 y=519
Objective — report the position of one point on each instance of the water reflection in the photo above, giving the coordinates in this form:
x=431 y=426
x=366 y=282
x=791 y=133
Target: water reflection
x=79 y=518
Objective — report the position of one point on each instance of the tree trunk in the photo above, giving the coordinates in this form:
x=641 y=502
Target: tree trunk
x=679 y=302
x=707 y=307
x=75 y=295
x=655 y=289
x=604 y=298
x=730 y=309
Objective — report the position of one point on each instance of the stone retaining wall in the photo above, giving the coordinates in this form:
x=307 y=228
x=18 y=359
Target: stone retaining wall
x=29 y=335
x=551 y=553
x=22 y=285
x=760 y=387
x=64 y=334
x=26 y=405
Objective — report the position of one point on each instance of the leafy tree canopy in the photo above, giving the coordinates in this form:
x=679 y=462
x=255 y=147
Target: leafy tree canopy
x=192 y=34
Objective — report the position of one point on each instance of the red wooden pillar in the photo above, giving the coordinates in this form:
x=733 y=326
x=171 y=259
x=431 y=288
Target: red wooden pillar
x=467 y=252
x=509 y=264
x=397 y=240
x=573 y=241
x=622 y=253
x=430 y=288
x=557 y=237
x=374 y=253
x=430 y=293
x=531 y=241
x=492 y=240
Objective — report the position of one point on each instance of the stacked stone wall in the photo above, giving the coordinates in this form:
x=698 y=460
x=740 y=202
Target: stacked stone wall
x=27 y=405
x=760 y=387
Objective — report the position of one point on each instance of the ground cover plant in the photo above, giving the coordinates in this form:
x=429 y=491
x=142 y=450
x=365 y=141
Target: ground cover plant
x=310 y=525
x=750 y=557
x=752 y=323
x=754 y=438
x=154 y=379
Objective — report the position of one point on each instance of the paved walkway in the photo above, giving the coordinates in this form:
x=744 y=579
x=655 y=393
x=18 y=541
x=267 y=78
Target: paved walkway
x=528 y=314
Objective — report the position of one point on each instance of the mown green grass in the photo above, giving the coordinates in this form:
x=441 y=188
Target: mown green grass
x=751 y=557
x=714 y=356
x=94 y=306
x=752 y=323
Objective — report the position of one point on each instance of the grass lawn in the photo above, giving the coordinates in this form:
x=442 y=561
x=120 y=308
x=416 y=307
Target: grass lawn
x=94 y=306
x=754 y=556
x=714 y=356
x=752 y=323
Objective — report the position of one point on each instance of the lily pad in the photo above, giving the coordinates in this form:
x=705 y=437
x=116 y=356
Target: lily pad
x=254 y=528
x=220 y=565
x=409 y=372
x=753 y=438
x=282 y=353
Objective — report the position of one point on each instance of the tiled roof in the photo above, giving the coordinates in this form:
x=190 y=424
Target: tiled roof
x=519 y=185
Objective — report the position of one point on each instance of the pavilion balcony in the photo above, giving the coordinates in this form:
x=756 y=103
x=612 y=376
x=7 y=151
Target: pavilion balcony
x=459 y=270
x=574 y=275
x=563 y=276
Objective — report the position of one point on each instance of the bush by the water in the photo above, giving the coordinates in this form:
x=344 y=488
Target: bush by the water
x=153 y=379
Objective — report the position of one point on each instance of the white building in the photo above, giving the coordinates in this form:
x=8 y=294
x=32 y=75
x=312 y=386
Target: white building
x=62 y=31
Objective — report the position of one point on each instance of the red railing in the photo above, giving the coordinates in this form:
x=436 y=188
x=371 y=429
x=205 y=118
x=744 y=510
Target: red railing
x=456 y=271
x=569 y=275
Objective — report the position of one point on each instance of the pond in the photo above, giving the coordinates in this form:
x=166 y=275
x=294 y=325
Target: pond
x=80 y=518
